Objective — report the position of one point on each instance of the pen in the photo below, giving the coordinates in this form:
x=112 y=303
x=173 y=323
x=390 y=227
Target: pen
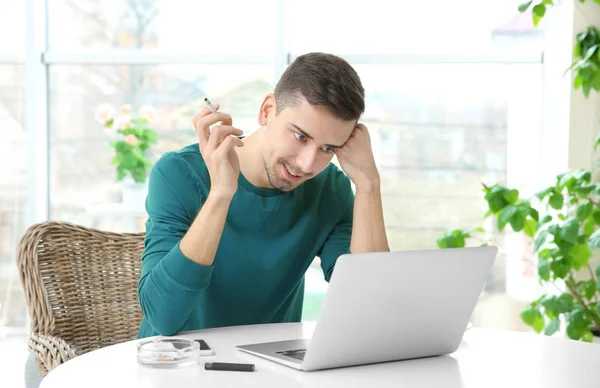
x=210 y=106
x=228 y=366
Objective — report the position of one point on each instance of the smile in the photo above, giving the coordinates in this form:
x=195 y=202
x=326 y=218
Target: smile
x=289 y=175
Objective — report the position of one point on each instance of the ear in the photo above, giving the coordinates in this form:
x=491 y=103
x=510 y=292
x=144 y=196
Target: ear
x=267 y=108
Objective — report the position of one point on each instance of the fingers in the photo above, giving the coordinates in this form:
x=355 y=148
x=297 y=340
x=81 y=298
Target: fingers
x=202 y=125
x=207 y=113
x=225 y=146
x=206 y=110
x=203 y=112
x=359 y=127
x=220 y=132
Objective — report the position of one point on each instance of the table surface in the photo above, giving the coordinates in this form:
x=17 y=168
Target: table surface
x=485 y=358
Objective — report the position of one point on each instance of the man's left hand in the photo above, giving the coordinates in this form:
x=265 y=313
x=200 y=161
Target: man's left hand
x=357 y=161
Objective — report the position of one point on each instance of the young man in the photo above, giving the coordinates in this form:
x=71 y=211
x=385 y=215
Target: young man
x=234 y=222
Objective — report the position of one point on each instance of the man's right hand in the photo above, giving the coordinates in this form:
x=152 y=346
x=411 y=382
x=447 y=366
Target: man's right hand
x=218 y=149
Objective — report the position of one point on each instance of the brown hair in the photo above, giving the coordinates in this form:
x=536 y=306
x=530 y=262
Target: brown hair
x=322 y=79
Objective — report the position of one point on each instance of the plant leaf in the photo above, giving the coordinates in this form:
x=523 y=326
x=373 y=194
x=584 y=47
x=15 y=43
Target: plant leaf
x=530 y=227
x=511 y=196
x=533 y=318
x=575 y=331
x=560 y=268
x=545 y=253
x=540 y=240
x=587 y=336
x=570 y=231
x=584 y=190
x=597 y=143
x=578 y=81
x=564 y=303
x=584 y=210
x=454 y=238
x=596 y=215
x=589 y=227
x=505 y=216
x=495 y=198
x=552 y=327
x=582 y=174
x=543 y=193
x=523 y=7
x=594 y=241
x=544 y=270
x=589 y=53
x=517 y=221
x=538 y=13
x=586 y=288
x=556 y=200
x=533 y=213
x=581 y=255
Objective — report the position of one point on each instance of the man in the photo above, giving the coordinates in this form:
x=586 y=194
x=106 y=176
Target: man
x=234 y=222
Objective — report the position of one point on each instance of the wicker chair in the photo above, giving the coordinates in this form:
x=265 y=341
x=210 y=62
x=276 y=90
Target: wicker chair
x=81 y=289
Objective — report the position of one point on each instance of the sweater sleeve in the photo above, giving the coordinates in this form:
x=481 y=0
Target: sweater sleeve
x=170 y=283
x=338 y=240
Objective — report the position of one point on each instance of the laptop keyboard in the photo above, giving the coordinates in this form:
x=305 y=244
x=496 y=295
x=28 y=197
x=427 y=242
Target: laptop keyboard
x=298 y=354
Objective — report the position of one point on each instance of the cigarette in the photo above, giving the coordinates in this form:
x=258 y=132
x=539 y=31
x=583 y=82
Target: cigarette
x=210 y=106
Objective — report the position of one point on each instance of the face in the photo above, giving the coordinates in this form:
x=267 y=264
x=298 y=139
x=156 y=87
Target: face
x=299 y=142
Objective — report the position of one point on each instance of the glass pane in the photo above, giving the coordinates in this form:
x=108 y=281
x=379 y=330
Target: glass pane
x=84 y=186
x=438 y=133
x=13 y=208
x=387 y=27
x=12 y=24
x=205 y=27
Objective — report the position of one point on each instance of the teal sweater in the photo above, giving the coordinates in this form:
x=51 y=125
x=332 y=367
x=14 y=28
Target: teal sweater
x=269 y=240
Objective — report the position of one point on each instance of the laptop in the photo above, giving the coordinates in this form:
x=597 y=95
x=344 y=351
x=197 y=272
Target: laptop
x=389 y=306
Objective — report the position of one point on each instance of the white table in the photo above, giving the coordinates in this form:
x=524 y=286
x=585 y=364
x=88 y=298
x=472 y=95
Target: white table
x=486 y=358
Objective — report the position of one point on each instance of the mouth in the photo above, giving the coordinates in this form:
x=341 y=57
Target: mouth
x=289 y=175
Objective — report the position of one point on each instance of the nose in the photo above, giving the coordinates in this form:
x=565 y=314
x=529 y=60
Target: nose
x=306 y=160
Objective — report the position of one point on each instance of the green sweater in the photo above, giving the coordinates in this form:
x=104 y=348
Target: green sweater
x=269 y=240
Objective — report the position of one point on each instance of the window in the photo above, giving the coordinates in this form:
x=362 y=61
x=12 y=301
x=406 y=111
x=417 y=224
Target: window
x=378 y=27
x=12 y=24
x=13 y=194
x=14 y=188
x=203 y=27
x=82 y=174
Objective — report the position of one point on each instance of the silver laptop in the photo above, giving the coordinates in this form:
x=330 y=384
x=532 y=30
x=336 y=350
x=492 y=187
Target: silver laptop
x=389 y=306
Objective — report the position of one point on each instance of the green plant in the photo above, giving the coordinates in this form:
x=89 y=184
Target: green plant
x=586 y=49
x=539 y=8
x=563 y=241
x=131 y=140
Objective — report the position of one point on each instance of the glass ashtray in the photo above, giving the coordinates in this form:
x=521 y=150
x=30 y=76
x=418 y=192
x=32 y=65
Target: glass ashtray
x=169 y=351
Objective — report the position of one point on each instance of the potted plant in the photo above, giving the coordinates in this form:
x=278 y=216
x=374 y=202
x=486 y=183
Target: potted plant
x=563 y=240
x=131 y=139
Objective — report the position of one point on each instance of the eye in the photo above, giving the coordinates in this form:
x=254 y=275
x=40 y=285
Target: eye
x=327 y=150
x=300 y=136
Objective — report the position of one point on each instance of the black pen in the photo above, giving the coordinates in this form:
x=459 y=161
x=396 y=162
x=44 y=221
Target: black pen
x=228 y=366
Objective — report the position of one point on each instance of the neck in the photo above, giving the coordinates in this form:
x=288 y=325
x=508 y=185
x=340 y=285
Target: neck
x=251 y=162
